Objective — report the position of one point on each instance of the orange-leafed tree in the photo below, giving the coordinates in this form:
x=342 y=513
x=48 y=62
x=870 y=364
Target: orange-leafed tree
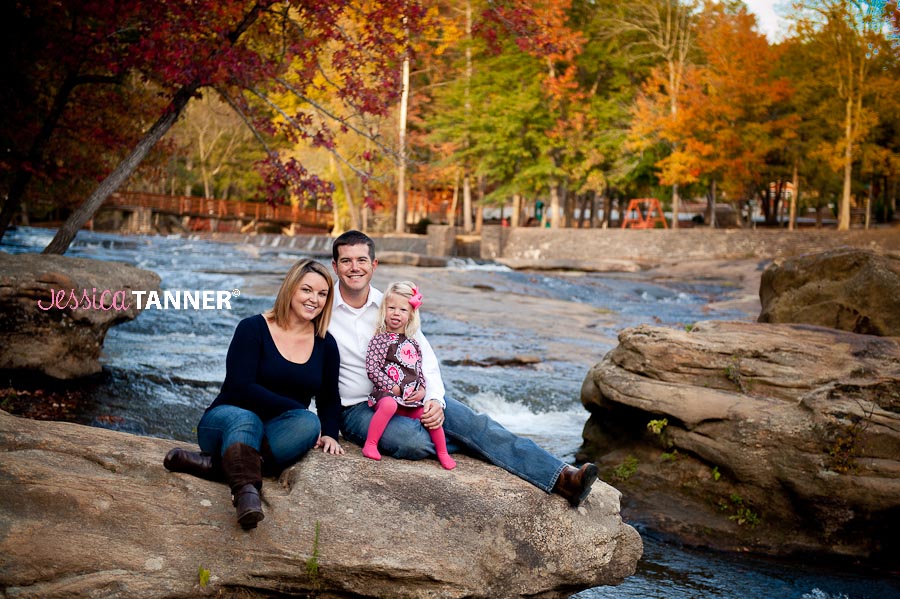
x=663 y=30
x=731 y=115
x=742 y=113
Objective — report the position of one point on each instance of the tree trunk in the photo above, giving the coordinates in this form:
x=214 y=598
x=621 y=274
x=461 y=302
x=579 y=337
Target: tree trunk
x=795 y=198
x=893 y=196
x=35 y=154
x=869 y=203
x=844 y=212
x=69 y=229
x=401 y=167
x=554 y=205
x=454 y=203
x=207 y=189
x=467 y=177
x=607 y=209
x=581 y=201
x=675 y=207
x=568 y=202
x=516 y=211
x=479 y=211
x=348 y=197
x=467 y=203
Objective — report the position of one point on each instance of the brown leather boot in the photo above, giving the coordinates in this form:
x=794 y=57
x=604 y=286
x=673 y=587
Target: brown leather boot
x=193 y=463
x=575 y=483
x=249 y=509
x=243 y=469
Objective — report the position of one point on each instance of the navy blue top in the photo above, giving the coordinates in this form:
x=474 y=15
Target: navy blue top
x=258 y=378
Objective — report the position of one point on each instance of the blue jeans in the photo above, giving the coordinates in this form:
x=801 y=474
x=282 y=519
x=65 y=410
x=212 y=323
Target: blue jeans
x=289 y=435
x=466 y=431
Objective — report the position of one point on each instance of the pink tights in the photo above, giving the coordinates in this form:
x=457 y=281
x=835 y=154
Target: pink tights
x=384 y=411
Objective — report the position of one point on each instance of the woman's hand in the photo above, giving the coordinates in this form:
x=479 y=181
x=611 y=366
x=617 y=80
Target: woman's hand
x=433 y=415
x=329 y=445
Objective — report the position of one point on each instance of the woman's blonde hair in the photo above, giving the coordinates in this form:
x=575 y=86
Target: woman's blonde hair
x=403 y=289
x=281 y=311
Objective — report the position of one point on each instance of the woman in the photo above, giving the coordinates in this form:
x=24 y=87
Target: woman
x=276 y=363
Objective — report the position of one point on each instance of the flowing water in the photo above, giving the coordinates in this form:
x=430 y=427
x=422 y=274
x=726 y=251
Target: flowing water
x=162 y=369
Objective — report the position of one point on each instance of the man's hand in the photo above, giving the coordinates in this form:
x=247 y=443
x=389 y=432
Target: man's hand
x=433 y=416
x=329 y=445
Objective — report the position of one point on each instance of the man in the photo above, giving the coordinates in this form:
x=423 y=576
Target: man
x=353 y=324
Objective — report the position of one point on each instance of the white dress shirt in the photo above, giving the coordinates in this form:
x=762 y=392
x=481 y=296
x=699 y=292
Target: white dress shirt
x=352 y=328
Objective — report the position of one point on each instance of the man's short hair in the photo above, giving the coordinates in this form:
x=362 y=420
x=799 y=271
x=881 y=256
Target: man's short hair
x=352 y=237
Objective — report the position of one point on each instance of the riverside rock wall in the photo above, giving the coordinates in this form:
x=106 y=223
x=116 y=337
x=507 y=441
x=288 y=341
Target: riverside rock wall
x=582 y=248
x=591 y=249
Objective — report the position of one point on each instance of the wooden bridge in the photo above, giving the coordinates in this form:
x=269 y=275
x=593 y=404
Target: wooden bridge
x=140 y=213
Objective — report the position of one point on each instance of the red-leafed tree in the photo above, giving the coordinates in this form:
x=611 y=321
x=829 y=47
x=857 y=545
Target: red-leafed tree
x=251 y=53
x=64 y=114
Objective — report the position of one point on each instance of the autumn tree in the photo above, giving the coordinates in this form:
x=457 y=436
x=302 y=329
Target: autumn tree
x=664 y=31
x=67 y=113
x=847 y=36
x=247 y=52
x=735 y=107
x=211 y=137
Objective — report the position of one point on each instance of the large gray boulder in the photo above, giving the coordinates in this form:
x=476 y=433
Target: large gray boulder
x=777 y=438
x=88 y=512
x=846 y=288
x=54 y=314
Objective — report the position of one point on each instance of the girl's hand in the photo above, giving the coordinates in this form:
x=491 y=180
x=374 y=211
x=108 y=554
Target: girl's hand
x=329 y=445
x=418 y=395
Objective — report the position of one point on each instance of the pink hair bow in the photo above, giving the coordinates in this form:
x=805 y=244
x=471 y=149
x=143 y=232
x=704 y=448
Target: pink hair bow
x=416 y=300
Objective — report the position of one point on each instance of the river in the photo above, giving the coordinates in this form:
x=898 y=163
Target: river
x=162 y=369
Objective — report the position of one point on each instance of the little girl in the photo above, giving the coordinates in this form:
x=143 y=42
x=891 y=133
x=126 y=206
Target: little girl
x=394 y=364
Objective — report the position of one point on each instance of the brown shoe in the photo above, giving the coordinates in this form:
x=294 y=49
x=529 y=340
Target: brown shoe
x=243 y=469
x=575 y=483
x=191 y=462
x=249 y=509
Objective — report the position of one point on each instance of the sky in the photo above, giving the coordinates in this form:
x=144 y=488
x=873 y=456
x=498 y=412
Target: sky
x=766 y=18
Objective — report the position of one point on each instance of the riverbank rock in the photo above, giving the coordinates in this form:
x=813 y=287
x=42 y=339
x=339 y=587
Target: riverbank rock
x=592 y=264
x=846 y=288
x=61 y=335
x=88 y=512
x=777 y=438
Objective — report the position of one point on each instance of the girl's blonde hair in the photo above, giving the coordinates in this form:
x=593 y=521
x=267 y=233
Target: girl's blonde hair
x=403 y=289
x=281 y=311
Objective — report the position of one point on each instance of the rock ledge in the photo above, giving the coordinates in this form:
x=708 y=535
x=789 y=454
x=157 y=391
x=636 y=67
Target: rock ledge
x=87 y=512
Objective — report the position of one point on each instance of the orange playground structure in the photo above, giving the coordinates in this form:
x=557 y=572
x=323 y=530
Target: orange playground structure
x=644 y=214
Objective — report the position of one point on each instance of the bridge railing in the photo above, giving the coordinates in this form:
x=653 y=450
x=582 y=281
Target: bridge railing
x=218 y=208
